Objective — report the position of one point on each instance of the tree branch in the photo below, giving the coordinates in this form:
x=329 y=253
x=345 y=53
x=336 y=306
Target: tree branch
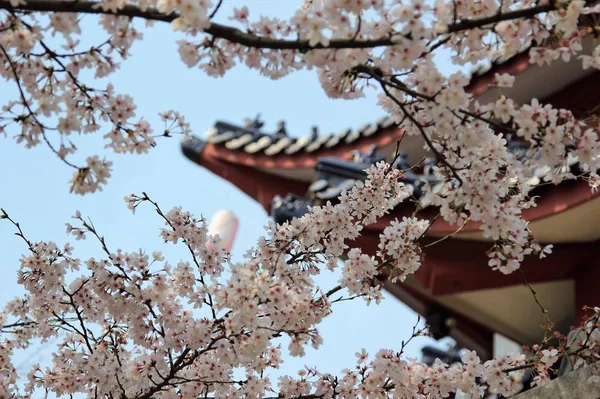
x=238 y=36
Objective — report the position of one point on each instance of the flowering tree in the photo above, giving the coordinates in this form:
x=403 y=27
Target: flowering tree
x=135 y=326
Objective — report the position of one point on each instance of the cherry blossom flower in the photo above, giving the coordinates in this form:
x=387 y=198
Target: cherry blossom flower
x=504 y=80
x=549 y=356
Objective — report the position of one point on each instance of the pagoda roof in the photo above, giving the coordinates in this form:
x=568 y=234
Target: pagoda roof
x=285 y=174
x=280 y=153
x=291 y=162
x=563 y=84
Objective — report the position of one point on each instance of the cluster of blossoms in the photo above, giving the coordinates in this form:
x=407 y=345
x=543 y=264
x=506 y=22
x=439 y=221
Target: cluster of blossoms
x=339 y=38
x=399 y=245
x=350 y=44
x=134 y=326
x=137 y=327
x=53 y=101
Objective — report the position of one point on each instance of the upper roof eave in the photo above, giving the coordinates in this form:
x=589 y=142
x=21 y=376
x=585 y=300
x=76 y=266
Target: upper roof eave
x=250 y=147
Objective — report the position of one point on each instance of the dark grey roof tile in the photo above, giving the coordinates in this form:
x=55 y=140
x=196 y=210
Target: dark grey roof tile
x=192 y=147
x=370 y=130
x=386 y=122
x=333 y=141
x=343 y=133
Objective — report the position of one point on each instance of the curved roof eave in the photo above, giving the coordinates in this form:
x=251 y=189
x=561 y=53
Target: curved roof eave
x=271 y=153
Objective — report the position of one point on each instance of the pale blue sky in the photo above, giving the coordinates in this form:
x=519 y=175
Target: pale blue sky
x=34 y=189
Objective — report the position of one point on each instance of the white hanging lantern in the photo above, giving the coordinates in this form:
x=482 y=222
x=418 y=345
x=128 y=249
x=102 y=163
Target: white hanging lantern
x=225 y=224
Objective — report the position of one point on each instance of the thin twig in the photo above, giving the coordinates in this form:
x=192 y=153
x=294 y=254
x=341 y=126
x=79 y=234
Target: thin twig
x=449 y=235
x=158 y=210
x=212 y=14
x=31 y=113
x=544 y=311
x=421 y=129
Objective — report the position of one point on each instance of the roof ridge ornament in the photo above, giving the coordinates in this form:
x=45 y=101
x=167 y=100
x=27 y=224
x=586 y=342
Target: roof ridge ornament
x=314 y=133
x=281 y=129
x=428 y=166
x=368 y=157
x=255 y=123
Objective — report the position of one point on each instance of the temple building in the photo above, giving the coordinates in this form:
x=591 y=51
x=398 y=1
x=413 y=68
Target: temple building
x=455 y=290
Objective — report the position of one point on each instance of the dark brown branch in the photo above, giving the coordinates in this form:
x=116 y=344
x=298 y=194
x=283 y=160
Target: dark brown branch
x=533 y=293
x=182 y=362
x=251 y=40
x=84 y=330
x=396 y=156
x=90 y=228
x=588 y=335
x=521 y=367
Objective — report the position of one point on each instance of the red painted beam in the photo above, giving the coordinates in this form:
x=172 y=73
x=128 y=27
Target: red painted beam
x=454 y=266
x=451 y=266
x=513 y=66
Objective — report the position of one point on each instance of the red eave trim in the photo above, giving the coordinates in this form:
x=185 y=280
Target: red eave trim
x=456 y=266
x=260 y=186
